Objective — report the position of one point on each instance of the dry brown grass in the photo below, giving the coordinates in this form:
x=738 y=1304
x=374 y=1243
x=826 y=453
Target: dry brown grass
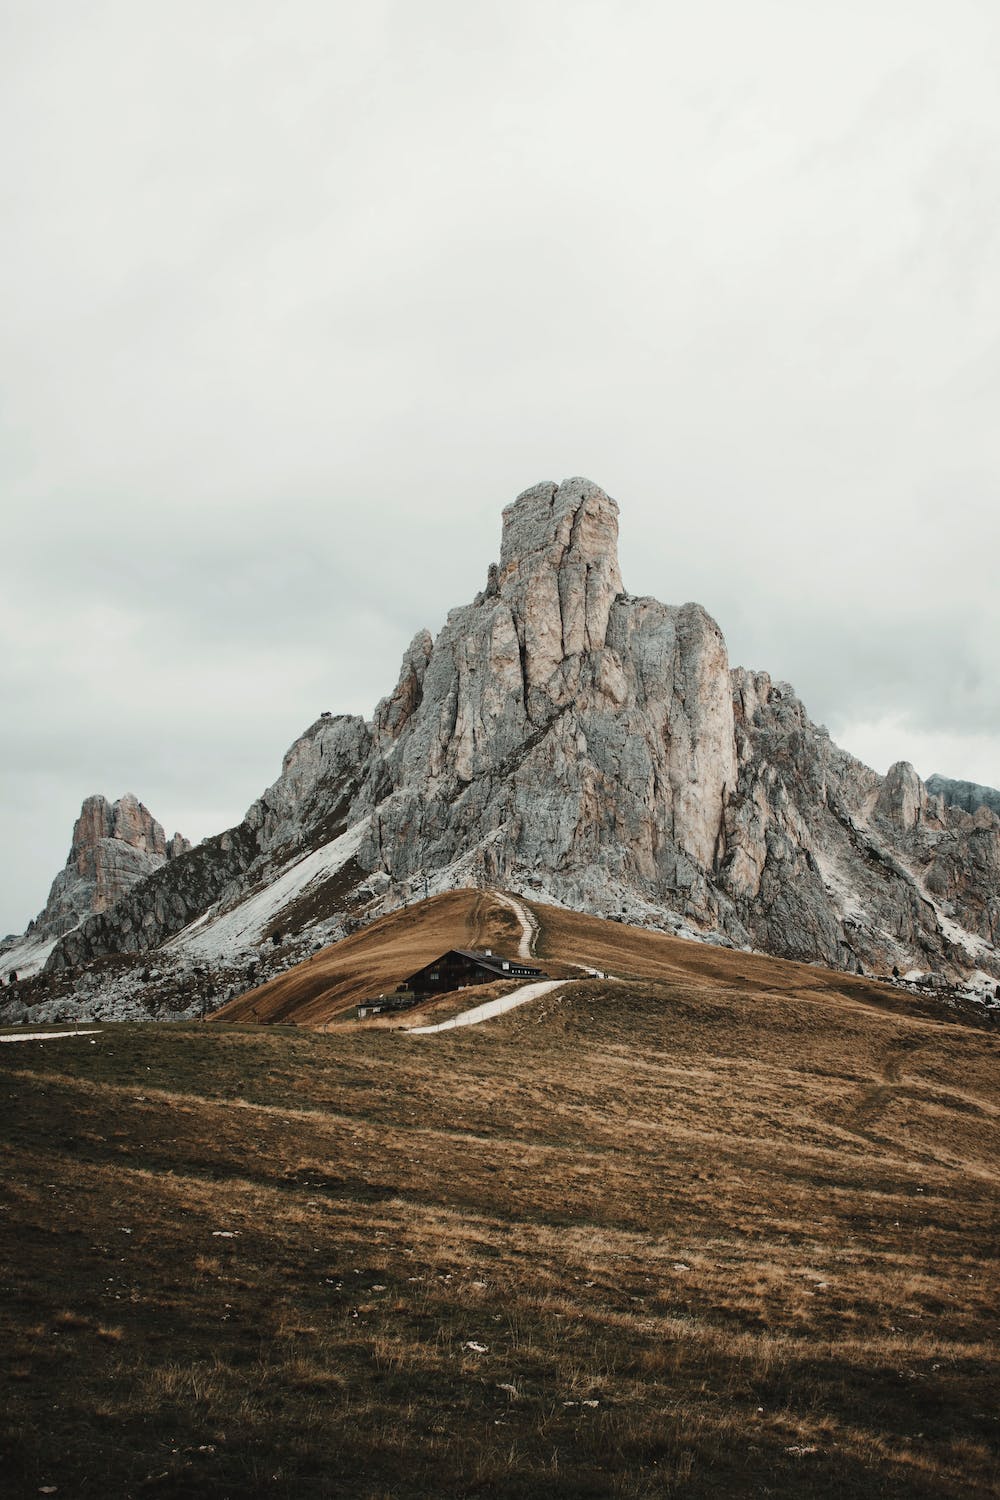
x=325 y=989
x=374 y=961
x=746 y=1208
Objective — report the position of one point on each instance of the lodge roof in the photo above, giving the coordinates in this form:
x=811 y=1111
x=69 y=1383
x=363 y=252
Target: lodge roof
x=494 y=962
x=491 y=960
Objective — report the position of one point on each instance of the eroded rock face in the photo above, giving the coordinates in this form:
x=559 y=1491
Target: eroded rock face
x=560 y=726
x=564 y=737
x=828 y=860
x=308 y=803
x=902 y=797
x=115 y=845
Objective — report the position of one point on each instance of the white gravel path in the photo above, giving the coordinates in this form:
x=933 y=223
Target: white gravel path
x=529 y=924
x=492 y=1008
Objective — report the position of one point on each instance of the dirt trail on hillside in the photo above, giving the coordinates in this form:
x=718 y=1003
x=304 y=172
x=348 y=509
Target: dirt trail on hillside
x=528 y=921
x=378 y=957
x=875 y=1097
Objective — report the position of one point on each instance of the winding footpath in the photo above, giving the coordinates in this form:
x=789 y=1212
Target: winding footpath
x=528 y=921
x=492 y=1008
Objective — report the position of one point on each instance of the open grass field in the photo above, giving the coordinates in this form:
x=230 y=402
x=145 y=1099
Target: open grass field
x=725 y=1230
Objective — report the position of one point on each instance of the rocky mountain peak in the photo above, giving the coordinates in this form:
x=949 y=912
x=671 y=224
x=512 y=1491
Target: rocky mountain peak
x=902 y=797
x=114 y=846
x=559 y=568
x=127 y=821
x=554 y=523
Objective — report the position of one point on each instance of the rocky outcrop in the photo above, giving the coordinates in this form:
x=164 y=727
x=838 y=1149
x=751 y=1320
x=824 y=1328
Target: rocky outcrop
x=305 y=808
x=308 y=804
x=828 y=860
x=115 y=845
x=902 y=797
x=564 y=737
x=163 y=903
x=967 y=795
x=562 y=727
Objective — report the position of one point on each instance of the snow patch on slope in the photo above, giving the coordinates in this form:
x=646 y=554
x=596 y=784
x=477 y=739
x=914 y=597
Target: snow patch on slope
x=959 y=936
x=974 y=945
x=220 y=935
x=839 y=886
x=46 y=1036
x=27 y=957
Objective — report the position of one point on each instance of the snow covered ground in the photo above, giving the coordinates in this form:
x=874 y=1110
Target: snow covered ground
x=492 y=1008
x=48 y=1036
x=220 y=936
x=839 y=886
x=27 y=958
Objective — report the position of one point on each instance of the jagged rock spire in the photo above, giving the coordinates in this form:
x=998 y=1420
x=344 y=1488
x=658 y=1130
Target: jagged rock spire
x=114 y=845
x=559 y=571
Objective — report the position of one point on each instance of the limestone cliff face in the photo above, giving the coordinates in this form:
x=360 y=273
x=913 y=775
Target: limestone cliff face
x=828 y=860
x=557 y=725
x=114 y=846
x=564 y=737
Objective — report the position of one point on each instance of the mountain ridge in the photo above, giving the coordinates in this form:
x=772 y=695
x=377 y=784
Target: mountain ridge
x=565 y=739
x=967 y=795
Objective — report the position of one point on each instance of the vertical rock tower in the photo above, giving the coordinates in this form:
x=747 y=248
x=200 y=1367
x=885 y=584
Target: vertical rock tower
x=557 y=724
x=115 y=845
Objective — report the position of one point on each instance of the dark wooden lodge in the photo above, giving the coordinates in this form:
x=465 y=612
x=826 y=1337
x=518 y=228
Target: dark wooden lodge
x=461 y=966
x=452 y=971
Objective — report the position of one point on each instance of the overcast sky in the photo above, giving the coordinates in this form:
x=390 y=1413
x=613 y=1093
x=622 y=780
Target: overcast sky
x=296 y=297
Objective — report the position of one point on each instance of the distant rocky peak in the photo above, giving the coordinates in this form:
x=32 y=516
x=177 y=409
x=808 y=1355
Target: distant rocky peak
x=177 y=846
x=114 y=846
x=96 y=821
x=126 y=820
x=902 y=797
x=970 y=796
